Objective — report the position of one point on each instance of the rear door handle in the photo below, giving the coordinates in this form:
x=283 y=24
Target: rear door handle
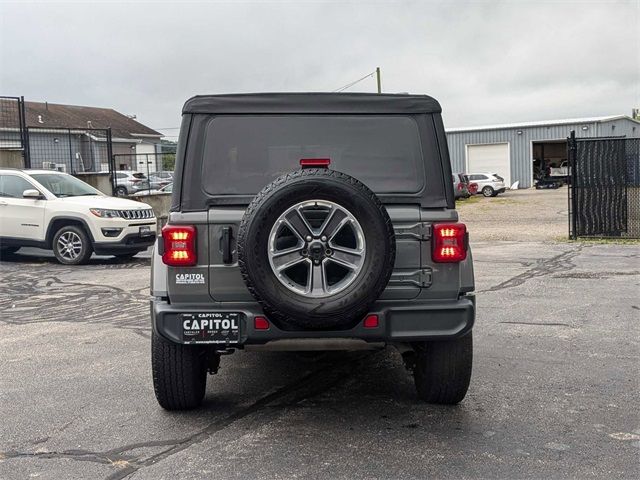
x=227 y=256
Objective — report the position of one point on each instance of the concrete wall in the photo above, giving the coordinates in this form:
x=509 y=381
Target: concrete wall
x=11 y=159
x=520 y=143
x=100 y=180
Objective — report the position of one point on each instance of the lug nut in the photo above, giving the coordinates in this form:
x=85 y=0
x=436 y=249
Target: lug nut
x=304 y=253
x=324 y=239
x=328 y=252
x=309 y=238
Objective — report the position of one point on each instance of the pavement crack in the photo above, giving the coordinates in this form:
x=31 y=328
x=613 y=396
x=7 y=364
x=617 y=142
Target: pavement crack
x=79 y=455
x=548 y=266
x=306 y=387
x=542 y=324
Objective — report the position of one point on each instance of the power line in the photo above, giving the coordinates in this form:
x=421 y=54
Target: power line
x=348 y=85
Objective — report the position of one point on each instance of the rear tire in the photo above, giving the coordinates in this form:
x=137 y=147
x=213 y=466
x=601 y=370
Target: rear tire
x=80 y=248
x=121 y=192
x=442 y=371
x=179 y=374
x=488 y=192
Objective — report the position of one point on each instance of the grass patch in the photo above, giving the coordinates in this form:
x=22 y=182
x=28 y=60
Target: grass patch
x=468 y=201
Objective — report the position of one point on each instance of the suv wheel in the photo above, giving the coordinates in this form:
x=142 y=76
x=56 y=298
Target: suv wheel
x=442 y=370
x=488 y=191
x=72 y=246
x=179 y=374
x=121 y=191
x=316 y=249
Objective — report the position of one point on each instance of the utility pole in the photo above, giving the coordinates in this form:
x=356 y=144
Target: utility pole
x=378 y=78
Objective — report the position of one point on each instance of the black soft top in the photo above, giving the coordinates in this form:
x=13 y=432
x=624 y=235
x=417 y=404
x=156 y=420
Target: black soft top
x=300 y=103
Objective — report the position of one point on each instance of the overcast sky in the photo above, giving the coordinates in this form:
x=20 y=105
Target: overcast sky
x=486 y=62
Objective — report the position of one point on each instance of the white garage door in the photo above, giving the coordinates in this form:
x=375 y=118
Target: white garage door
x=490 y=158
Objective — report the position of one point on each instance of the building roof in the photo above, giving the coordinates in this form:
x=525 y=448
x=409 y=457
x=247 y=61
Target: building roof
x=543 y=123
x=312 y=102
x=53 y=115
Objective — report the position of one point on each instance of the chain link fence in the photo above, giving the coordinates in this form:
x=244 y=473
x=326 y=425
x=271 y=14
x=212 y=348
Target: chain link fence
x=13 y=140
x=604 y=193
x=156 y=170
x=70 y=150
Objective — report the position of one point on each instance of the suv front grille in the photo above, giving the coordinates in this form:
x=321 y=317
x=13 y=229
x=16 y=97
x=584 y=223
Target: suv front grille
x=136 y=214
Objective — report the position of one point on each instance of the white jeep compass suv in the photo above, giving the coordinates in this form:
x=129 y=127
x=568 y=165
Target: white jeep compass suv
x=53 y=210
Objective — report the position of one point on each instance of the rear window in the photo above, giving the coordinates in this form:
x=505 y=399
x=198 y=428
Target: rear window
x=138 y=175
x=242 y=154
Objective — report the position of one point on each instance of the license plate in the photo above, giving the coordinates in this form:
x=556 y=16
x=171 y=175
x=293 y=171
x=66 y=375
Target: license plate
x=145 y=231
x=211 y=327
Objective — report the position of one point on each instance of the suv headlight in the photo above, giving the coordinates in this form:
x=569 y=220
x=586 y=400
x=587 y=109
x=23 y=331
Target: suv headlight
x=104 y=213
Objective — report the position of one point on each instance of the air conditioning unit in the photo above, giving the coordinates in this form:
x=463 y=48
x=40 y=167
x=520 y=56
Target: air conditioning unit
x=49 y=165
x=61 y=167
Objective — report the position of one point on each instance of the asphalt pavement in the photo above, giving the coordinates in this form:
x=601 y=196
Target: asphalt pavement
x=554 y=393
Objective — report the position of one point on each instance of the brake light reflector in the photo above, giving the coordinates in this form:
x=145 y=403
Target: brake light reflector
x=449 y=242
x=371 y=321
x=179 y=245
x=261 y=323
x=315 y=162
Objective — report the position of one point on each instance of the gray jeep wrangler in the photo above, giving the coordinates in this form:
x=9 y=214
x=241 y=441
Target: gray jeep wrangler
x=312 y=221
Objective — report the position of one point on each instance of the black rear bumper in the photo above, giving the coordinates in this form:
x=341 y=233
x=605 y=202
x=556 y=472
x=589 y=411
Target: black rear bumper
x=398 y=322
x=131 y=243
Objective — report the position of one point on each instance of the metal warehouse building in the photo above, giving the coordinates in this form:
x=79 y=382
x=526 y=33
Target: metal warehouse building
x=516 y=151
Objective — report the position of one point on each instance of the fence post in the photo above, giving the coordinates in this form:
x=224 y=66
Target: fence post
x=571 y=156
x=111 y=161
x=24 y=133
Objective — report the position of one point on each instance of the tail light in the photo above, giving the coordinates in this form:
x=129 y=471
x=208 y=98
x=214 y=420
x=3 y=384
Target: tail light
x=179 y=245
x=315 y=162
x=449 y=242
x=460 y=186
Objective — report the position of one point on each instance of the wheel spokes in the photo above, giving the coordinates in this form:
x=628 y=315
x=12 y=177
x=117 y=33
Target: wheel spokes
x=347 y=257
x=317 y=284
x=334 y=223
x=298 y=224
x=285 y=259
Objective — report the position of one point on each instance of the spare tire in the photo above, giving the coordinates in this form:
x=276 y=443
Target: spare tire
x=316 y=248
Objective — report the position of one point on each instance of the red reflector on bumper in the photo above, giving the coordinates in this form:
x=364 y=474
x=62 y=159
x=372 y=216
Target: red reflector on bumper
x=261 y=323
x=371 y=321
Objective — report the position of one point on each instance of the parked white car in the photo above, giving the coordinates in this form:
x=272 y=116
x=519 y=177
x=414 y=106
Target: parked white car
x=489 y=183
x=129 y=182
x=55 y=211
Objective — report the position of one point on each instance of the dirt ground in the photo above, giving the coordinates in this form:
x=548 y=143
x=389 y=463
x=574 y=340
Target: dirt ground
x=518 y=215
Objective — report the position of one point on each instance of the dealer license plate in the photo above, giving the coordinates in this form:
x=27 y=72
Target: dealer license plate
x=219 y=327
